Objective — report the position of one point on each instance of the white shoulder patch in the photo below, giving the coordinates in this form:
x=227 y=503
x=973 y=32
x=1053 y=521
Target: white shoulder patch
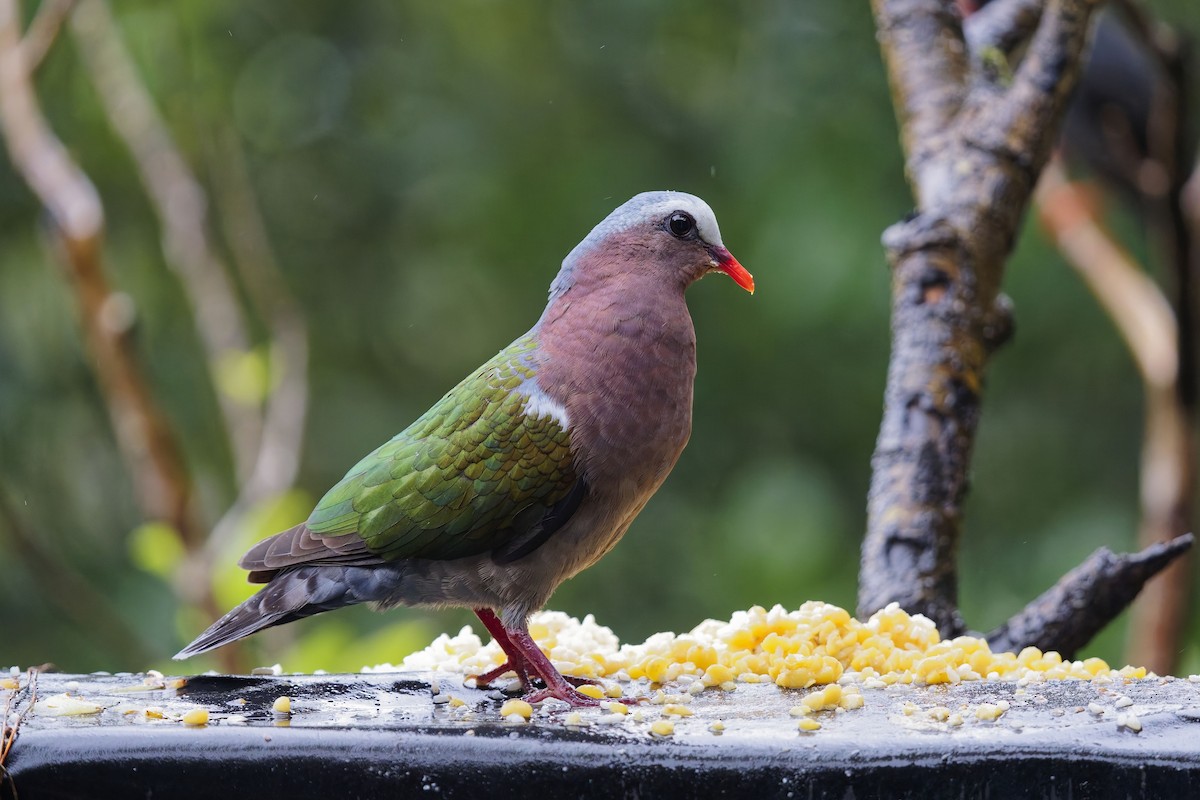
x=540 y=404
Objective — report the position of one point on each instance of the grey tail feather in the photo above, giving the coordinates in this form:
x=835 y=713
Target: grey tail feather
x=291 y=595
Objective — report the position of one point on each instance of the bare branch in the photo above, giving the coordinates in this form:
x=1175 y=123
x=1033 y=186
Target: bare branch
x=1147 y=323
x=143 y=433
x=11 y=721
x=1137 y=306
x=1067 y=615
x=43 y=31
x=141 y=428
x=926 y=58
x=1000 y=26
x=973 y=183
x=181 y=206
x=1025 y=122
x=60 y=185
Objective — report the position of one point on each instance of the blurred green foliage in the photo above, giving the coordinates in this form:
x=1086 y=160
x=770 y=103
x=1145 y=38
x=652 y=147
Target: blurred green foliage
x=423 y=168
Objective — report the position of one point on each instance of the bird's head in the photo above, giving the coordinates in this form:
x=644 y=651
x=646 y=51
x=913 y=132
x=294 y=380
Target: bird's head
x=667 y=236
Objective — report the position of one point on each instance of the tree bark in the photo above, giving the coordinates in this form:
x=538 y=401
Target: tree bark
x=976 y=134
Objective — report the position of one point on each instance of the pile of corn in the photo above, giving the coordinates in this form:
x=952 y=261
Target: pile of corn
x=815 y=644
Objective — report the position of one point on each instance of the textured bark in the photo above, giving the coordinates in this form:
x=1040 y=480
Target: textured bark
x=1086 y=599
x=976 y=135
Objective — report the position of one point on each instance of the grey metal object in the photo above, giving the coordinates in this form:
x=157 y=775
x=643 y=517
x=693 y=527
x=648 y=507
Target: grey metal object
x=389 y=735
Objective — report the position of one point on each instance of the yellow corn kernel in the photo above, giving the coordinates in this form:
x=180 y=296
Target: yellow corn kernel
x=518 y=707
x=614 y=690
x=851 y=702
x=282 y=705
x=656 y=669
x=742 y=640
x=718 y=674
x=808 y=725
x=824 y=698
x=615 y=708
x=457 y=702
x=9 y=683
x=988 y=711
x=703 y=656
x=677 y=710
x=591 y=690
x=795 y=679
x=662 y=727
x=197 y=717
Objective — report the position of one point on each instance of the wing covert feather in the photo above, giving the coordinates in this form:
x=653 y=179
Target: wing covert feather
x=474 y=473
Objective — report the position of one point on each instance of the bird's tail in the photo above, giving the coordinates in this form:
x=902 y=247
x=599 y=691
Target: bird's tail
x=291 y=595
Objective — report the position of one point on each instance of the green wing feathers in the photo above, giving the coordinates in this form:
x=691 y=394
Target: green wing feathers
x=474 y=473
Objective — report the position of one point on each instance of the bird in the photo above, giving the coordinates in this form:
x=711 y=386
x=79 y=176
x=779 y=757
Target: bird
x=530 y=469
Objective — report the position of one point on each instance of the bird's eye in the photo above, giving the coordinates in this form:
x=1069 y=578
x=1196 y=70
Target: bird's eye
x=681 y=224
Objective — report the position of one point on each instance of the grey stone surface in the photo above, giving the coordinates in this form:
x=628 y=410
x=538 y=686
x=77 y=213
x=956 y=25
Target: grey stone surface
x=377 y=735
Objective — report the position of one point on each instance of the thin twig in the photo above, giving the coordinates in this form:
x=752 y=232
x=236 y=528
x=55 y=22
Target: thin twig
x=1136 y=304
x=9 y=733
x=181 y=205
x=1157 y=178
x=43 y=31
x=142 y=431
x=1147 y=323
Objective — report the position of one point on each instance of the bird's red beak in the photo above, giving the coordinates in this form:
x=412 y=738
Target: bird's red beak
x=730 y=266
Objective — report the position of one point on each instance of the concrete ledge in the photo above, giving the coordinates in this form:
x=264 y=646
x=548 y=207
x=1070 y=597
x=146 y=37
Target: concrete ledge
x=377 y=735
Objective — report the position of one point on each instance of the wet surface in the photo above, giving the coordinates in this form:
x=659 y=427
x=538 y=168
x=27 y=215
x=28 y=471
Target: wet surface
x=368 y=735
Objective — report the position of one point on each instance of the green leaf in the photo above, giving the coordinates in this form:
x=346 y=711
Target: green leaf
x=155 y=547
x=247 y=376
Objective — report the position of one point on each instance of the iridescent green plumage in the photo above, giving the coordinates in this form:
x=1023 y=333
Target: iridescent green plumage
x=474 y=473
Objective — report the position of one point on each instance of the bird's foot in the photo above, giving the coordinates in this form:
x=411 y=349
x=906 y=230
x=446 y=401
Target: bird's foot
x=529 y=662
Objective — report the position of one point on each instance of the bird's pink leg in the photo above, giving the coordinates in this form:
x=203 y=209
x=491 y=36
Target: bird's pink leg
x=524 y=658
x=516 y=661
